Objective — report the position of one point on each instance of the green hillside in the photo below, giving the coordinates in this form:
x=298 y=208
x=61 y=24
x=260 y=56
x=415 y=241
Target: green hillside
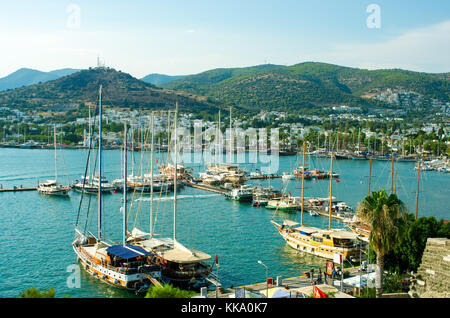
x=119 y=90
x=308 y=85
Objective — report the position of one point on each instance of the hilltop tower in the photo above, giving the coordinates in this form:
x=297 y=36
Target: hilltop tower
x=100 y=64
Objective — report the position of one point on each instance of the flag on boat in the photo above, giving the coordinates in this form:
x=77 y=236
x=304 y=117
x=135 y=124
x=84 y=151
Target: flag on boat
x=318 y=293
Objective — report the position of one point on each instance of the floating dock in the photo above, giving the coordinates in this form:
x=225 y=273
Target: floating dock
x=15 y=189
x=262 y=177
x=326 y=214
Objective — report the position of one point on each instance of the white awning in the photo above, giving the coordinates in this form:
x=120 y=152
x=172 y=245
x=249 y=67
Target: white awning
x=290 y=223
x=178 y=255
x=344 y=235
x=308 y=230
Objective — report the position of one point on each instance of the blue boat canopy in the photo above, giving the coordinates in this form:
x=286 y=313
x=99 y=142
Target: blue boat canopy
x=127 y=251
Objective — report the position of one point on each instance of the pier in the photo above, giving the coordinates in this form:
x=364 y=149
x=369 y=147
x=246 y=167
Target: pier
x=206 y=187
x=326 y=214
x=263 y=177
x=15 y=189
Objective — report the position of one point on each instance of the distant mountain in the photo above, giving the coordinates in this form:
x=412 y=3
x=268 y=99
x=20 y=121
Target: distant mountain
x=119 y=90
x=308 y=85
x=159 y=79
x=26 y=76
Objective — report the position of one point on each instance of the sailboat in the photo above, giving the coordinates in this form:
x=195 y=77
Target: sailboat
x=320 y=242
x=123 y=265
x=91 y=184
x=52 y=187
x=181 y=266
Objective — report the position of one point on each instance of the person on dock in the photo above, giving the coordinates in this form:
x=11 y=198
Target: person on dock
x=311 y=276
x=319 y=277
x=325 y=276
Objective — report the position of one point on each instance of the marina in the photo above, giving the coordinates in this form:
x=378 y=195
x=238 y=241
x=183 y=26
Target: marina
x=234 y=222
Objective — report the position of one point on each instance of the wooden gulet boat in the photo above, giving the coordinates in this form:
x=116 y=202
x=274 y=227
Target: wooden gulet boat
x=180 y=266
x=123 y=265
x=319 y=242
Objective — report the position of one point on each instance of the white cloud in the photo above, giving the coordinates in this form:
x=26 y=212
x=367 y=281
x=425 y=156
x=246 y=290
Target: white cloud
x=425 y=50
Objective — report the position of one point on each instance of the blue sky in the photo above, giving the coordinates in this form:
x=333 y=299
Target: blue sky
x=185 y=37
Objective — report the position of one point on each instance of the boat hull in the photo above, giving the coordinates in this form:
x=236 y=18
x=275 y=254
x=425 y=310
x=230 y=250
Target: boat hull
x=289 y=208
x=323 y=251
x=132 y=282
x=62 y=192
x=240 y=198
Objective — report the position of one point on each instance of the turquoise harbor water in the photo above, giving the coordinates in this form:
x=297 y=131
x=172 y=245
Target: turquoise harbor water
x=36 y=231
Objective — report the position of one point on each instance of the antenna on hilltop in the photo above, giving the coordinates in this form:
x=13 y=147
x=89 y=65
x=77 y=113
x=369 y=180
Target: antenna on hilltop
x=100 y=64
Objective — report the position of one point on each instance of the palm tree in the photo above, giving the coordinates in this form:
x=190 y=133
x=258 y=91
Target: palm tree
x=381 y=213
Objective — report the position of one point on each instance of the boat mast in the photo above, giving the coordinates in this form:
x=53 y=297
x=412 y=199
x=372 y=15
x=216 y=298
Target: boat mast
x=124 y=185
x=318 y=140
x=132 y=149
x=395 y=183
x=100 y=166
x=331 y=191
x=359 y=137
x=151 y=174
x=54 y=142
x=89 y=128
x=392 y=171
x=303 y=182
x=417 y=194
x=175 y=177
x=216 y=157
x=370 y=174
x=231 y=137
x=337 y=141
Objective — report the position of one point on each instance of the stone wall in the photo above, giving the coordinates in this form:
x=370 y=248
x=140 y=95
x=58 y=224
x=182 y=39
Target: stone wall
x=433 y=275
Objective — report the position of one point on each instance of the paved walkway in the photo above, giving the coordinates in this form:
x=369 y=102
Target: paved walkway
x=294 y=283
